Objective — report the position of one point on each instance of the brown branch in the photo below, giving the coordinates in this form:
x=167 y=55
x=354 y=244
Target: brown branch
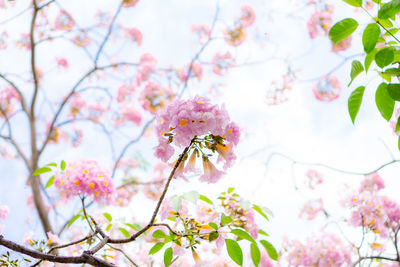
x=86 y=256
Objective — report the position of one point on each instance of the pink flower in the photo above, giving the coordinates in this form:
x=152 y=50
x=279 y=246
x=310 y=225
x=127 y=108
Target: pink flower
x=372 y=182
x=85 y=178
x=235 y=36
x=4 y=211
x=342 y=45
x=311 y=209
x=248 y=16
x=320 y=22
x=147 y=65
x=129 y=3
x=135 y=34
x=64 y=21
x=82 y=39
x=315 y=178
x=221 y=63
x=327 y=89
x=62 y=62
x=211 y=174
x=28 y=238
x=203 y=32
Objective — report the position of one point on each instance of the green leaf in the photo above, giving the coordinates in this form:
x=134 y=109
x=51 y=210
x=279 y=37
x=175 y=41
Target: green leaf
x=213 y=236
x=397 y=125
x=213 y=225
x=386 y=77
x=355 y=3
x=394 y=91
x=354 y=102
x=206 y=199
x=270 y=249
x=369 y=58
x=73 y=219
x=50 y=182
x=389 y=10
x=384 y=57
x=156 y=248
x=384 y=102
x=134 y=226
x=370 y=37
x=192 y=196
x=260 y=211
x=263 y=232
x=124 y=232
x=225 y=219
x=392 y=72
x=243 y=235
x=385 y=23
x=234 y=251
x=41 y=171
x=107 y=216
x=158 y=234
x=398 y=143
x=356 y=68
x=108 y=227
x=342 y=29
x=230 y=190
x=168 y=257
x=396 y=56
x=391 y=32
x=255 y=254
x=52 y=164
x=63 y=165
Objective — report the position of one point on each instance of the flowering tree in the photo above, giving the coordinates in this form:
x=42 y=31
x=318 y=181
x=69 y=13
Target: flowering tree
x=127 y=97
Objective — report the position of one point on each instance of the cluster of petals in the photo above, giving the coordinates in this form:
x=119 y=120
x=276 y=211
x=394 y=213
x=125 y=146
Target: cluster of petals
x=314 y=178
x=24 y=42
x=183 y=120
x=85 y=178
x=4 y=211
x=154 y=97
x=64 y=21
x=82 y=38
x=320 y=22
x=147 y=65
x=195 y=68
x=324 y=251
x=124 y=92
x=128 y=113
x=342 y=45
x=327 y=89
x=62 y=62
x=203 y=31
x=134 y=34
x=222 y=62
x=235 y=36
x=376 y=212
x=248 y=16
x=129 y=3
x=8 y=98
x=311 y=209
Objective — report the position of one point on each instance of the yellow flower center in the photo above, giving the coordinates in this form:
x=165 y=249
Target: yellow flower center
x=183 y=123
x=77 y=182
x=91 y=186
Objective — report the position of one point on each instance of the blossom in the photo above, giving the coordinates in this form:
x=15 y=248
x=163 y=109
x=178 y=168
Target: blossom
x=372 y=182
x=203 y=31
x=62 y=62
x=327 y=89
x=342 y=45
x=85 y=178
x=248 y=16
x=235 y=36
x=9 y=97
x=183 y=120
x=129 y=3
x=135 y=34
x=147 y=65
x=323 y=251
x=311 y=209
x=196 y=70
x=314 y=178
x=124 y=91
x=155 y=97
x=221 y=62
x=64 y=21
x=4 y=211
x=82 y=39
x=320 y=22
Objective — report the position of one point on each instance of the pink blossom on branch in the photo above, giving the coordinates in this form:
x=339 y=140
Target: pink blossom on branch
x=320 y=22
x=181 y=121
x=248 y=16
x=85 y=178
x=327 y=89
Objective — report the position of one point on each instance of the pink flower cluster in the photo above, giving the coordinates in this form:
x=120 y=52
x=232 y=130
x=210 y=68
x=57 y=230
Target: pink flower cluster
x=222 y=62
x=327 y=89
x=314 y=178
x=154 y=97
x=64 y=21
x=320 y=22
x=85 y=178
x=4 y=211
x=342 y=45
x=129 y=3
x=147 y=65
x=324 y=251
x=134 y=34
x=236 y=35
x=183 y=120
x=8 y=98
x=203 y=32
x=376 y=212
x=196 y=70
x=311 y=209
